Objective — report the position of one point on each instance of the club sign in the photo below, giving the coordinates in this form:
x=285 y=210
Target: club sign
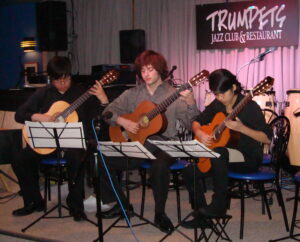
x=247 y=24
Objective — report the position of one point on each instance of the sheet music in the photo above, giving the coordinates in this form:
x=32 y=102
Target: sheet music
x=130 y=149
x=41 y=134
x=185 y=148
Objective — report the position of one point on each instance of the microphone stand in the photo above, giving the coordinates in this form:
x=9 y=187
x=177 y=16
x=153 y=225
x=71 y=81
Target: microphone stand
x=98 y=197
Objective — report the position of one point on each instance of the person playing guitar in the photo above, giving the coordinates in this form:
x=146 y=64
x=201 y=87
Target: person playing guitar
x=26 y=163
x=244 y=154
x=152 y=69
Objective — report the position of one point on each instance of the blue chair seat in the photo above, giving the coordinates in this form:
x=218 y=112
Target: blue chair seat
x=53 y=161
x=177 y=165
x=256 y=176
x=297 y=176
x=266 y=159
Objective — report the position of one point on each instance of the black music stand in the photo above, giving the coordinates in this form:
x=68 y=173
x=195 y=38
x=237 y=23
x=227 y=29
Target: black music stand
x=120 y=149
x=189 y=149
x=57 y=136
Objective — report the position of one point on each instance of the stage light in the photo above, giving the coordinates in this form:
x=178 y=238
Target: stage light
x=28 y=44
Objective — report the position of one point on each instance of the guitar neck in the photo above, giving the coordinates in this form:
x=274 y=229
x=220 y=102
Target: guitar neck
x=75 y=104
x=163 y=105
x=218 y=131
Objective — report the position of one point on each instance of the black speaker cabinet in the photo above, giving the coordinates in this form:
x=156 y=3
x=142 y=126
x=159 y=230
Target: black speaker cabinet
x=52 y=26
x=132 y=43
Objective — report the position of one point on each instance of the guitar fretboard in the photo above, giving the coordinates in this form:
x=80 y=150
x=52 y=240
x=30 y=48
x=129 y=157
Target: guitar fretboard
x=77 y=103
x=218 y=131
x=163 y=105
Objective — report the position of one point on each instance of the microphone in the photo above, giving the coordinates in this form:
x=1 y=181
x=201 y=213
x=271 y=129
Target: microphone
x=261 y=56
x=107 y=115
x=170 y=74
x=102 y=117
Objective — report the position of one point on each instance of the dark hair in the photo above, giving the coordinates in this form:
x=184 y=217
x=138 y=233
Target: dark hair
x=222 y=80
x=150 y=57
x=59 y=67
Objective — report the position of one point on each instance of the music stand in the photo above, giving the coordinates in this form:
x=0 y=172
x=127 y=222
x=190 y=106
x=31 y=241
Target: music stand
x=122 y=149
x=187 y=149
x=56 y=136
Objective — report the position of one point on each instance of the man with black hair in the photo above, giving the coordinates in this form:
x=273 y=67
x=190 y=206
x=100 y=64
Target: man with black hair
x=26 y=163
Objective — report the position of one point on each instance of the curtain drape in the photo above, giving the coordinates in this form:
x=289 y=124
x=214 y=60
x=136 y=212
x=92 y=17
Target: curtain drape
x=170 y=27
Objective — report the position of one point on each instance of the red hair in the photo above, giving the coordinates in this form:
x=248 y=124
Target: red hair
x=150 y=57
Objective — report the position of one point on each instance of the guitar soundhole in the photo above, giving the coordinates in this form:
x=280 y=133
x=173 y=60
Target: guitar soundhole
x=144 y=121
x=216 y=134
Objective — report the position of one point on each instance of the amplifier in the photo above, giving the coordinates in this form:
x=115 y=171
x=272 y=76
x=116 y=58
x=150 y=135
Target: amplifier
x=127 y=73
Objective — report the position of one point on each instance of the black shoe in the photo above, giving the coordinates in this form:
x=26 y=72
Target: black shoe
x=197 y=222
x=116 y=211
x=78 y=215
x=163 y=223
x=212 y=211
x=29 y=209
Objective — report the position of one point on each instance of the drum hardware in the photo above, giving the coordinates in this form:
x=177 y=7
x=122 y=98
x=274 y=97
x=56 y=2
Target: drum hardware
x=297 y=112
x=292 y=112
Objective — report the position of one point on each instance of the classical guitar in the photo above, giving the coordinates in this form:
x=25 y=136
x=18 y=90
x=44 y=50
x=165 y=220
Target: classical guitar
x=149 y=115
x=218 y=129
x=65 y=112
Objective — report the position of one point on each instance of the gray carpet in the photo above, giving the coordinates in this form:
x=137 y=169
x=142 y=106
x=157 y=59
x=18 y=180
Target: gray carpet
x=257 y=226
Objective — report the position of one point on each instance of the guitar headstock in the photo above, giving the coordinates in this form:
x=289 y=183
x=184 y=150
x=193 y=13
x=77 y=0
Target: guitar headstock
x=263 y=86
x=109 y=77
x=199 y=78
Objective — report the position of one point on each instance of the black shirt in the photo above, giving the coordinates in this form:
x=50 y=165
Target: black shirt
x=251 y=116
x=42 y=99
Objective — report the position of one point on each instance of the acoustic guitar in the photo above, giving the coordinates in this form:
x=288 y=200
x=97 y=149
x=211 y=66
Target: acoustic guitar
x=65 y=112
x=149 y=115
x=218 y=129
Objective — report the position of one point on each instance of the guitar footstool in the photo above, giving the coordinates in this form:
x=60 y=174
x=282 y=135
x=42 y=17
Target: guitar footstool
x=217 y=229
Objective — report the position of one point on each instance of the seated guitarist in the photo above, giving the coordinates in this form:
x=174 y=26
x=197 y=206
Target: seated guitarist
x=26 y=163
x=152 y=68
x=245 y=156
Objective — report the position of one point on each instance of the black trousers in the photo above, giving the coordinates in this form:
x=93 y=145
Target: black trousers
x=219 y=173
x=159 y=177
x=26 y=167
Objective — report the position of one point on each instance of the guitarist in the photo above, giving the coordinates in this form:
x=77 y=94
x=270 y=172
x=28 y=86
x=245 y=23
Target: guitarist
x=152 y=69
x=245 y=156
x=26 y=163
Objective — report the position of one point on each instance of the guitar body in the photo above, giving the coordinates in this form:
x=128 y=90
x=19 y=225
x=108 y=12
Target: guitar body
x=54 y=110
x=117 y=134
x=204 y=164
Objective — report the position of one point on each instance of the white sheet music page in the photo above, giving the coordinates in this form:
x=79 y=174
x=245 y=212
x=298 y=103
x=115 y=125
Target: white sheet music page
x=130 y=149
x=41 y=134
x=191 y=148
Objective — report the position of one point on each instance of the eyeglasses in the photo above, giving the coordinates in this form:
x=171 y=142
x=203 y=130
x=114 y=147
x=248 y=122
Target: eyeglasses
x=62 y=81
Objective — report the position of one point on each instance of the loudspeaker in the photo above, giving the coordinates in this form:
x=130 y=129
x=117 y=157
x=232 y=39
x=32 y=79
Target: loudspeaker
x=132 y=43
x=52 y=26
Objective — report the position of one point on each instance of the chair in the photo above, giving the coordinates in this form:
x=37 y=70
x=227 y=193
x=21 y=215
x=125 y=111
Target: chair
x=294 y=217
x=269 y=115
x=266 y=174
x=53 y=171
x=10 y=144
x=175 y=169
